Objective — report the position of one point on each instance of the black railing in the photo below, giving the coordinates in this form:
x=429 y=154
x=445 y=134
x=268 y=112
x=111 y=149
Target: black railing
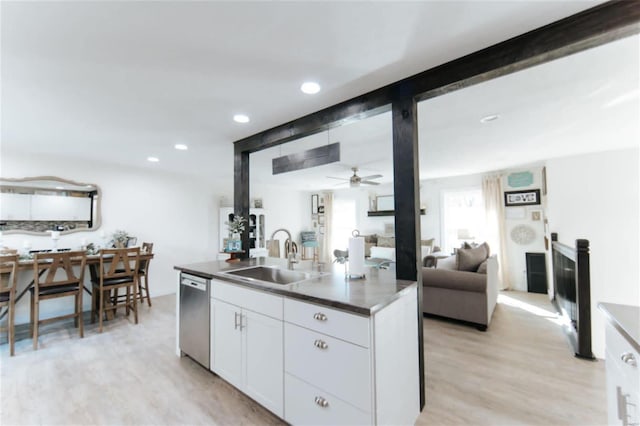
x=572 y=292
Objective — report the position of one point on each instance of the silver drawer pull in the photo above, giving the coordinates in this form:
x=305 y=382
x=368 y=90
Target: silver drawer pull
x=628 y=358
x=320 y=344
x=320 y=316
x=321 y=401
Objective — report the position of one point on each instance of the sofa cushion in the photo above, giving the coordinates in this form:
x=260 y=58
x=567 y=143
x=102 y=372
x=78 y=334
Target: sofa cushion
x=367 y=249
x=449 y=263
x=454 y=280
x=383 y=253
x=470 y=259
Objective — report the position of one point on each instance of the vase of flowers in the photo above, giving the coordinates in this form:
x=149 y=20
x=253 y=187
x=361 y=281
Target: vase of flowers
x=235 y=227
x=120 y=238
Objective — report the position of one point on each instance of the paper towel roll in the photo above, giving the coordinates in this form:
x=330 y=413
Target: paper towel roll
x=356 y=256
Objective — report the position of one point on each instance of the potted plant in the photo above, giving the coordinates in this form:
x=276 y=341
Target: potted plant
x=120 y=238
x=235 y=227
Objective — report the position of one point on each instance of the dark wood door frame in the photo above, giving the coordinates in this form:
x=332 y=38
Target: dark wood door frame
x=593 y=27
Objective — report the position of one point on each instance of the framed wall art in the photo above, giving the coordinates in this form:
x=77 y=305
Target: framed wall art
x=522 y=198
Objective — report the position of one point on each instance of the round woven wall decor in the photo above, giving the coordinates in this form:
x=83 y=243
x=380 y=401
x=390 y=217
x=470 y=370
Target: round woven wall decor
x=523 y=234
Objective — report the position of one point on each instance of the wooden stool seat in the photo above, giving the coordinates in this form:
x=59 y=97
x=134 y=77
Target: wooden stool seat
x=8 y=282
x=54 y=277
x=118 y=269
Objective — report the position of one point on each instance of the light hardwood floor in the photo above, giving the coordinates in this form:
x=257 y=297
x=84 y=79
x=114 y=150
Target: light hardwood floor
x=518 y=372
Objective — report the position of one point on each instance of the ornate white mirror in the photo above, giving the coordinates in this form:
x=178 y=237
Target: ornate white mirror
x=36 y=205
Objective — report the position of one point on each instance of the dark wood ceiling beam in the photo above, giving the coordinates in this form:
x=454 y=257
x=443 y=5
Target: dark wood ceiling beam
x=592 y=27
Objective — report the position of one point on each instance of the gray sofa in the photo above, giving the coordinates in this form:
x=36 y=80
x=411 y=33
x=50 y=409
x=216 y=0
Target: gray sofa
x=463 y=286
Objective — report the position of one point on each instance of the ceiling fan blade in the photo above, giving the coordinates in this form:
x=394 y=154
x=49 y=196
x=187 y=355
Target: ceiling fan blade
x=371 y=177
x=369 y=182
x=339 y=178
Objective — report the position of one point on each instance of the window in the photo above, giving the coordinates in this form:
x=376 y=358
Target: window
x=463 y=217
x=344 y=222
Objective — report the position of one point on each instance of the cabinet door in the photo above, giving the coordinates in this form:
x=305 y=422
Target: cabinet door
x=53 y=207
x=15 y=206
x=226 y=341
x=263 y=354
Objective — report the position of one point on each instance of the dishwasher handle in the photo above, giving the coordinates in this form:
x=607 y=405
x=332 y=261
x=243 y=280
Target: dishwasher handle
x=198 y=285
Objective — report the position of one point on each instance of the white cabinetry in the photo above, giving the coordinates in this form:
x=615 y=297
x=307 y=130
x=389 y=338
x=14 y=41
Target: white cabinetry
x=623 y=379
x=246 y=342
x=15 y=206
x=310 y=364
x=54 y=207
x=333 y=372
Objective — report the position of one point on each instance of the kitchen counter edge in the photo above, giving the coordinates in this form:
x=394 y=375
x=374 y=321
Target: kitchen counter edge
x=624 y=318
x=324 y=301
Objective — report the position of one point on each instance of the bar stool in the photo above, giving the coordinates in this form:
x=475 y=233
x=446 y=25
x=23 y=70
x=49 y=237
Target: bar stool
x=118 y=269
x=46 y=266
x=8 y=282
x=143 y=272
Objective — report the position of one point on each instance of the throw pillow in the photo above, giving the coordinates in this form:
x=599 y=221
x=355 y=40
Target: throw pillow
x=470 y=259
x=482 y=269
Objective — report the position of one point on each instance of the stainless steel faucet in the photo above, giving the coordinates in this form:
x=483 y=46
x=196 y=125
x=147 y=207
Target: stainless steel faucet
x=291 y=256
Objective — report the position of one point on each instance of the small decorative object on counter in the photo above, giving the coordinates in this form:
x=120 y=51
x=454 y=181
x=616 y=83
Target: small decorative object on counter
x=92 y=249
x=236 y=226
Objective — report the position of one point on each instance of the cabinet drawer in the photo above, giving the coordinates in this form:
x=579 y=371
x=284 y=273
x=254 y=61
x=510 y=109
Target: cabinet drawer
x=335 y=366
x=342 y=325
x=618 y=349
x=253 y=300
x=308 y=405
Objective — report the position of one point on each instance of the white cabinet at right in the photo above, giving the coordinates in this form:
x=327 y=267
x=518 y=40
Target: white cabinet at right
x=623 y=379
x=343 y=368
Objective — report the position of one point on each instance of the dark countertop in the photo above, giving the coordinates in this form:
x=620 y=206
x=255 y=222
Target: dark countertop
x=626 y=319
x=361 y=296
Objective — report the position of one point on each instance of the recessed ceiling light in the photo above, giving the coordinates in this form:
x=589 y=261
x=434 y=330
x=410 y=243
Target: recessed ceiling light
x=310 y=87
x=241 y=118
x=59 y=187
x=153 y=159
x=181 y=147
x=488 y=118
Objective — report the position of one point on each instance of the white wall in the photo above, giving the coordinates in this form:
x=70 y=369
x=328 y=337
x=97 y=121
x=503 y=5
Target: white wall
x=516 y=253
x=177 y=213
x=595 y=196
x=285 y=208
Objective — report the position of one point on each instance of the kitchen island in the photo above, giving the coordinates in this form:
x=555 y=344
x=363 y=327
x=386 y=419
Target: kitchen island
x=320 y=350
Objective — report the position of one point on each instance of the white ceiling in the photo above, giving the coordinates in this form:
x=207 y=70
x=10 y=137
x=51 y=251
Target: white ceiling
x=120 y=81
x=587 y=102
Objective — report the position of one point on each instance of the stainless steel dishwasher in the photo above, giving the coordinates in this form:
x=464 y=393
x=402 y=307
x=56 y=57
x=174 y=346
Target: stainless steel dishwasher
x=194 y=317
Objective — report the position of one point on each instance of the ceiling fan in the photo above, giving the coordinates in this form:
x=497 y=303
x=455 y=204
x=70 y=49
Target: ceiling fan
x=355 y=180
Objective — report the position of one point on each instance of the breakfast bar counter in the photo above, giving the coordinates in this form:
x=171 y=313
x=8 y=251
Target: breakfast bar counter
x=360 y=296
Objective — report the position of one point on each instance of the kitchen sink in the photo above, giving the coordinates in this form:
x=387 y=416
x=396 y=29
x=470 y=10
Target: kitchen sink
x=271 y=275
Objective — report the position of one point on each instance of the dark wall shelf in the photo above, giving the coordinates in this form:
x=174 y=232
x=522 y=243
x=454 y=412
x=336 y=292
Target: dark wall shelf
x=390 y=212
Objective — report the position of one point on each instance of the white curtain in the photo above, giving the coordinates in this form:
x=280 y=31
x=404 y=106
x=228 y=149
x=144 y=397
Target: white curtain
x=496 y=226
x=326 y=252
